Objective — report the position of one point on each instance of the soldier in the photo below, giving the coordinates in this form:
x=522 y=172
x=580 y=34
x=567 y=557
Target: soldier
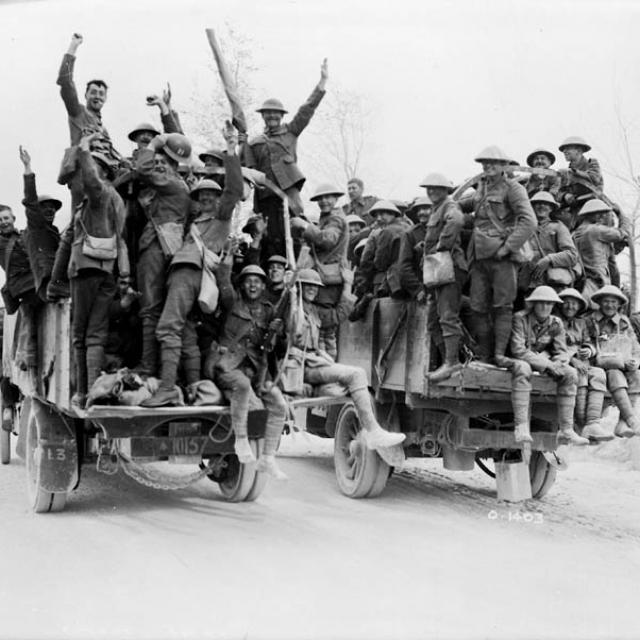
x=213 y=159
x=618 y=352
x=235 y=363
x=504 y=221
x=592 y=381
x=386 y=279
x=274 y=153
x=96 y=245
x=555 y=255
x=594 y=240
x=412 y=250
x=41 y=237
x=582 y=181
x=203 y=244
x=356 y=224
x=359 y=204
x=320 y=368
x=328 y=247
x=542 y=178
x=18 y=292
x=166 y=203
x=443 y=232
x=538 y=342
x=276 y=267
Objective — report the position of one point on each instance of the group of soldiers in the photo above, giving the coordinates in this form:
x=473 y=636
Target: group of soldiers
x=159 y=283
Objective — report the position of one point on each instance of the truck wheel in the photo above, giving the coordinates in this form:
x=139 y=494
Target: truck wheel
x=542 y=475
x=361 y=473
x=241 y=482
x=40 y=500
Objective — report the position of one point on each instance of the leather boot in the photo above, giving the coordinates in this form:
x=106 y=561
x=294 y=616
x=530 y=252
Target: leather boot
x=95 y=360
x=593 y=429
x=581 y=406
x=520 y=402
x=623 y=402
x=634 y=421
x=150 y=348
x=167 y=394
x=375 y=437
x=566 y=407
x=451 y=363
x=80 y=395
x=481 y=333
x=502 y=334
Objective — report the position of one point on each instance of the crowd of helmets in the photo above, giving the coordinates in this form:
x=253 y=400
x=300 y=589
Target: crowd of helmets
x=524 y=257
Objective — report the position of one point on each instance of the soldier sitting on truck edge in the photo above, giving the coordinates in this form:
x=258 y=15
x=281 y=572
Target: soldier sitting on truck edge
x=592 y=381
x=203 y=244
x=320 y=368
x=235 y=363
x=503 y=222
x=443 y=233
x=538 y=343
x=327 y=243
x=618 y=353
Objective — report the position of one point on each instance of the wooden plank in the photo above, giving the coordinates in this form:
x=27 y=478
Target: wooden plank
x=355 y=342
x=389 y=312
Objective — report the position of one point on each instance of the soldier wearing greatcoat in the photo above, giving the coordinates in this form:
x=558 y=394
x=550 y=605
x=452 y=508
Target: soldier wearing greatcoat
x=412 y=250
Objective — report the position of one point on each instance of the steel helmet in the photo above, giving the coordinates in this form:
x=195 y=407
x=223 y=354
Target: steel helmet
x=573 y=293
x=277 y=260
x=143 y=126
x=543 y=294
x=420 y=202
x=609 y=290
x=594 y=206
x=437 y=180
x=544 y=197
x=184 y=168
x=203 y=185
x=493 y=154
x=575 y=141
x=177 y=147
x=385 y=205
x=309 y=276
x=326 y=189
x=272 y=104
x=352 y=218
x=45 y=198
x=540 y=151
x=213 y=153
x=252 y=270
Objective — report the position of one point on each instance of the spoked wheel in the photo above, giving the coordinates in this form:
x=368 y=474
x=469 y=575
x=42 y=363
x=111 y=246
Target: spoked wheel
x=40 y=500
x=542 y=474
x=361 y=472
x=241 y=482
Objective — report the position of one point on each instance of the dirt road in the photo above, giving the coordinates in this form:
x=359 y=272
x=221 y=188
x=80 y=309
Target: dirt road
x=434 y=556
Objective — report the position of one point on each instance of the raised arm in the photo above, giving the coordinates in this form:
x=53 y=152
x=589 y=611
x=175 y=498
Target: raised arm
x=306 y=111
x=65 y=77
x=30 y=193
x=233 y=186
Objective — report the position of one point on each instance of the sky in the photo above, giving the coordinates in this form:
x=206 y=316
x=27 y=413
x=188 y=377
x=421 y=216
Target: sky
x=441 y=79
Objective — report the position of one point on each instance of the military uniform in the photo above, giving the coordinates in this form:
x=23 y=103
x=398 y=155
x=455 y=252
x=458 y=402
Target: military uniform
x=360 y=207
x=503 y=216
x=410 y=259
x=584 y=185
x=275 y=154
x=385 y=258
x=537 y=182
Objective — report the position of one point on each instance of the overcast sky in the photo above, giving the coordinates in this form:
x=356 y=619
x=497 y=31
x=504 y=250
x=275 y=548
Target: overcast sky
x=443 y=79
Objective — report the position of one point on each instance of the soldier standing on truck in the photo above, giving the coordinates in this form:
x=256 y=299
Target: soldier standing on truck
x=504 y=221
x=19 y=292
x=359 y=204
x=203 y=244
x=618 y=353
x=542 y=159
x=236 y=361
x=95 y=242
x=412 y=250
x=538 y=343
x=328 y=254
x=166 y=204
x=443 y=233
x=594 y=241
x=592 y=381
x=41 y=237
x=274 y=153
